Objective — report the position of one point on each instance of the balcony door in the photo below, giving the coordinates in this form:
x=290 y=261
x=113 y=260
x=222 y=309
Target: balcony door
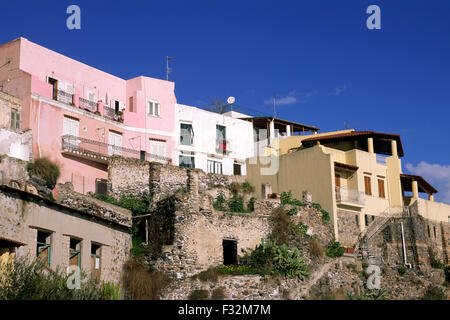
x=71 y=128
x=337 y=179
x=115 y=143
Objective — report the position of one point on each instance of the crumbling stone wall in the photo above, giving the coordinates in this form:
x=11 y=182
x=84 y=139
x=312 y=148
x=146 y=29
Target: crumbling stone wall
x=128 y=177
x=67 y=196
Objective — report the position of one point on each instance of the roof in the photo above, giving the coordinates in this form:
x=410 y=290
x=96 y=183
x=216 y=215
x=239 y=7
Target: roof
x=423 y=185
x=283 y=121
x=14 y=243
x=345 y=167
x=360 y=135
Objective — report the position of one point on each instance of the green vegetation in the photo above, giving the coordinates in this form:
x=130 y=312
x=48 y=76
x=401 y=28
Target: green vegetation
x=199 y=295
x=220 y=202
x=334 y=249
x=251 y=204
x=110 y=291
x=326 y=218
x=247 y=187
x=236 y=204
x=286 y=198
x=374 y=294
x=46 y=169
x=292 y=212
x=434 y=293
x=301 y=228
x=401 y=270
x=24 y=280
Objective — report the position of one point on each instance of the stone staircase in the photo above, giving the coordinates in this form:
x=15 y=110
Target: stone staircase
x=362 y=245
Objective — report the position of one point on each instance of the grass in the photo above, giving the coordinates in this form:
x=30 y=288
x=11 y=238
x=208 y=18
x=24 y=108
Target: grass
x=141 y=283
x=46 y=169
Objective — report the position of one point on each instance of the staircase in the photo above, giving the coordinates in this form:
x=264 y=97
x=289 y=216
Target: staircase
x=362 y=244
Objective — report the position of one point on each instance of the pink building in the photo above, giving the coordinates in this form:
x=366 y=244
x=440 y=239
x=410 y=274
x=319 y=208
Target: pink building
x=80 y=115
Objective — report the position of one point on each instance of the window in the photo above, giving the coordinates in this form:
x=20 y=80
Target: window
x=70 y=126
x=95 y=261
x=237 y=169
x=130 y=104
x=115 y=143
x=75 y=252
x=157 y=150
x=43 y=247
x=214 y=167
x=91 y=96
x=381 y=192
x=221 y=139
x=153 y=108
x=187 y=161
x=101 y=186
x=186 y=134
x=15 y=119
x=367 y=185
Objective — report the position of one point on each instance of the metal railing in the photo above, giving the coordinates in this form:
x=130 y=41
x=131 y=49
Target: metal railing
x=63 y=96
x=350 y=196
x=111 y=114
x=101 y=149
x=88 y=104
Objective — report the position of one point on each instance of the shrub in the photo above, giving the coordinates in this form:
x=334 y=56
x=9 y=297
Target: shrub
x=434 y=293
x=434 y=262
x=374 y=294
x=325 y=216
x=286 y=198
x=251 y=204
x=401 y=270
x=247 y=187
x=208 y=275
x=236 y=204
x=110 y=291
x=236 y=269
x=199 y=295
x=301 y=228
x=235 y=188
x=46 y=169
x=23 y=280
x=334 y=249
x=281 y=227
x=142 y=284
x=220 y=202
x=316 y=248
x=289 y=262
x=291 y=212
x=218 y=294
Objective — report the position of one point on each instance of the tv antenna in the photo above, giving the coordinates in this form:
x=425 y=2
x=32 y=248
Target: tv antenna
x=168 y=70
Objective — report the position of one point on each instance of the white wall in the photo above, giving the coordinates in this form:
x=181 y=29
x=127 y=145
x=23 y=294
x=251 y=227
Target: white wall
x=239 y=134
x=16 y=145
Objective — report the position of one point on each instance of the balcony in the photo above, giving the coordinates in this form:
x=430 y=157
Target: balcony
x=63 y=96
x=111 y=113
x=223 y=147
x=350 y=197
x=101 y=152
x=88 y=105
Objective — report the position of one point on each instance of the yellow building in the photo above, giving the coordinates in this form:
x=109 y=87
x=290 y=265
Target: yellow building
x=354 y=175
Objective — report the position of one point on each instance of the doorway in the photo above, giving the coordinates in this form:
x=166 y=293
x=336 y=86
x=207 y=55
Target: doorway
x=229 y=252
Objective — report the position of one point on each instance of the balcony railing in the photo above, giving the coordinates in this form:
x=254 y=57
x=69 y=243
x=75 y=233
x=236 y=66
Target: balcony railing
x=350 y=196
x=111 y=114
x=63 y=96
x=88 y=105
x=101 y=151
x=223 y=147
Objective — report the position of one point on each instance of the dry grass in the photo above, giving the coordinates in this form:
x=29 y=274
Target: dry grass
x=199 y=295
x=142 y=284
x=218 y=294
x=208 y=275
x=338 y=294
x=282 y=227
x=316 y=248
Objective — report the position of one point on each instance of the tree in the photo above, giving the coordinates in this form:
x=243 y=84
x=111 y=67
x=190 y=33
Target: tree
x=217 y=105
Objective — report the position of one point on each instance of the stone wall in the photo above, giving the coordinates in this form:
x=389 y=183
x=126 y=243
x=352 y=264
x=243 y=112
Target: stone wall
x=23 y=214
x=128 y=177
x=348 y=227
x=67 y=196
x=12 y=170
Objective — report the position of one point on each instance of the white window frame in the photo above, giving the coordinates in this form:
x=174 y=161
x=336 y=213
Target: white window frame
x=214 y=166
x=161 y=149
x=152 y=107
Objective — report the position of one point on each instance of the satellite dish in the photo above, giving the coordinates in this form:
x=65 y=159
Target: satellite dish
x=231 y=100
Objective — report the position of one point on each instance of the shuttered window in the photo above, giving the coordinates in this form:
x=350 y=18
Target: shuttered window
x=367 y=185
x=15 y=119
x=381 y=192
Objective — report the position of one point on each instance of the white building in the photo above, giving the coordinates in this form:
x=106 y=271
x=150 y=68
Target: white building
x=213 y=142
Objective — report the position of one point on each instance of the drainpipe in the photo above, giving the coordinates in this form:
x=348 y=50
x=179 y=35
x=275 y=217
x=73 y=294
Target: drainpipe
x=404 y=248
x=38 y=122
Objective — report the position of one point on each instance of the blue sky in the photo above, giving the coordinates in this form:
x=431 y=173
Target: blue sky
x=318 y=57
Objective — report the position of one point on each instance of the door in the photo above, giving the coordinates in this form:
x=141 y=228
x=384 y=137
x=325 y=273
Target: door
x=337 y=179
x=115 y=143
x=237 y=169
